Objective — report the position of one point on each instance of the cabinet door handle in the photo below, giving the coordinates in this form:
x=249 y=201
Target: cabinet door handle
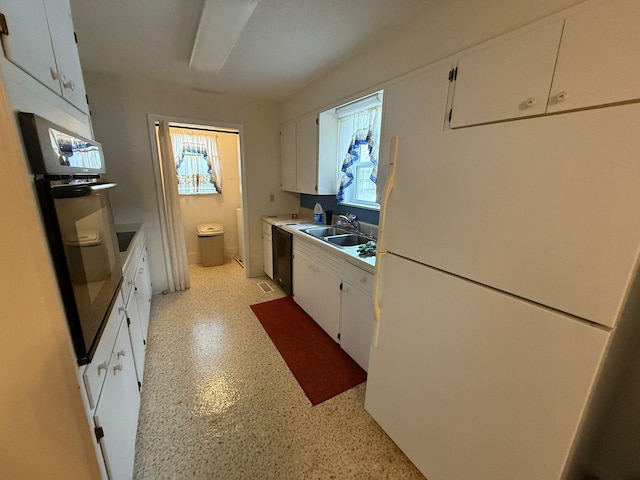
x=103 y=366
x=363 y=279
x=54 y=73
x=69 y=84
x=121 y=353
x=562 y=96
x=117 y=368
x=530 y=102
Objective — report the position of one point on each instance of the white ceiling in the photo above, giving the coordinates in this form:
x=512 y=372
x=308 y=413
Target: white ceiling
x=285 y=45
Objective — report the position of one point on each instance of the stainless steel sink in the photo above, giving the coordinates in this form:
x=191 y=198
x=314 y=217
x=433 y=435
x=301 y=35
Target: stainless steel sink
x=321 y=232
x=348 y=240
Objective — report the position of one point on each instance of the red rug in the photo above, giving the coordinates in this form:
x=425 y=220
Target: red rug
x=320 y=366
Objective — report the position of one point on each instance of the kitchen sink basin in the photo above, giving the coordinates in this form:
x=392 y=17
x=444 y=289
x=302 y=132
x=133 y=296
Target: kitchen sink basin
x=348 y=240
x=321 y=232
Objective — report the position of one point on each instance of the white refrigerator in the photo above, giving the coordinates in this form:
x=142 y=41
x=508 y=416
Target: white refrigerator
x=506 y=259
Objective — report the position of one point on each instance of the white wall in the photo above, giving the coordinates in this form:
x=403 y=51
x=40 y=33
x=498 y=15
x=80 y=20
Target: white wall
x=449 y=27
x=44 y=431
x=196 y=209
x=119 y=108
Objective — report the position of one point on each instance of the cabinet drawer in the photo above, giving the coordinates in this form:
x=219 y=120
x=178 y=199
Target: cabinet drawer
x=303 y=247
x=358 y=277
x=94 y=373
x=266 y=228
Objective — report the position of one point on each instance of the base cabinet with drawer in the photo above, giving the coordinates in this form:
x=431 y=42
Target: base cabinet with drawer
x=112 y=396
x=136 y=290
x=116 y=415
x=337 y=295
x=316 y=285
x=113 y=379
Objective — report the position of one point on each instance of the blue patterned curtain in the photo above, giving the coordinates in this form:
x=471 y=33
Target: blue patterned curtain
x=364 y=124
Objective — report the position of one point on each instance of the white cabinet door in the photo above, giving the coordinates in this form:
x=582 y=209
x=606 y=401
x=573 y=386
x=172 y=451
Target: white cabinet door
x=356 y=324
x=117 y=410
x=508 y=80
x=138 y=340
x=414 y=109
x=303 y=282
x=66 y=52
x=307 y=154
x=599 y=58
x=28 y=44
x=142 y=292
x=327 y=299
x=288 y=169
x=464 y=372
x=267 y=250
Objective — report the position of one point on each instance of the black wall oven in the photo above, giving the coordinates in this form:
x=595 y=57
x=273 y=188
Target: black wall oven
x=74 y=202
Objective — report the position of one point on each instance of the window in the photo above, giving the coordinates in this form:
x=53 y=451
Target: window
x=359 y=125
x=197 y=161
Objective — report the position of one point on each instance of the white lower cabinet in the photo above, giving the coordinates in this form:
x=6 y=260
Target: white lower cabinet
x=116 y=415
x=267 y=249
x=356 y=314
x=337 y=295
x=137 y=294
x=317 y=275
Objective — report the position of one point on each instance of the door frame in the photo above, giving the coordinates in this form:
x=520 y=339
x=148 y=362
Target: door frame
x=152 y=119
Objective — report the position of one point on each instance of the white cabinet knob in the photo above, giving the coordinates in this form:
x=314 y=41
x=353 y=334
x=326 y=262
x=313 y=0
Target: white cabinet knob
x=69 y=84
x=121 y=353
x=530 y=102
x=54 y=73
x=131 y=282
x=363 y=279
x=103 y=366
x=562 y=96
x=117 y=368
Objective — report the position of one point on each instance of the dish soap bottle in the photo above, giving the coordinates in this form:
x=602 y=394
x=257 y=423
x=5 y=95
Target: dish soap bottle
x=317 y=213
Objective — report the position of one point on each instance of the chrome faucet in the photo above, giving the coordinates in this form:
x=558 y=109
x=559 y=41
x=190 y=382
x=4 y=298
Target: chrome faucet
x=350 y=220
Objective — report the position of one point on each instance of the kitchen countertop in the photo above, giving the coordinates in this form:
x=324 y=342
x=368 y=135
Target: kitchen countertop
x=126 y=256
x=294 y=226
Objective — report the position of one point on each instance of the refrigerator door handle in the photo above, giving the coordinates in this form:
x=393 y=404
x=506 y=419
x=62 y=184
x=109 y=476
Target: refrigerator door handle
x=393 y=160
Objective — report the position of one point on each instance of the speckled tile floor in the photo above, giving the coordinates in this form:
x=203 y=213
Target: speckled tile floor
x=219 y=402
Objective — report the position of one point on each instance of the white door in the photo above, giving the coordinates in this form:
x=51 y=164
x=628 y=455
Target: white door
x=508 y=80
x=66 y=52
x=307 y=154
x=475 y=384
x=357 y=323
x=303 y=282
x=599 y=58
x=117 y=410
x=327 y=299
x=414 y=108
x=288 y=170
x=29 y=45
x=138 y=340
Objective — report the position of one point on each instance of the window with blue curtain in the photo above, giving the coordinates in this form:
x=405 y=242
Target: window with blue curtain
x=359 y=138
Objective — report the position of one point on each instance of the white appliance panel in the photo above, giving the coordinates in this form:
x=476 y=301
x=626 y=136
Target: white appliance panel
x=476 y=384
x=544 y=208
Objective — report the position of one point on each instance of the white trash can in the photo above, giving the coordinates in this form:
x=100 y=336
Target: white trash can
x=211 y=243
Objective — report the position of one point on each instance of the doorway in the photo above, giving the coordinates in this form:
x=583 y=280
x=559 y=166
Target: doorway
x=213 y=194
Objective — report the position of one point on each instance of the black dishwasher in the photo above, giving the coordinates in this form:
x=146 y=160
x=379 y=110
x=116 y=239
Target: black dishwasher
x=282 y=251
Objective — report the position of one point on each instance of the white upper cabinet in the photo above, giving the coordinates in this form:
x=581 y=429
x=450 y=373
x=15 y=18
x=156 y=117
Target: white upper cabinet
x=40 y=39
x=599 y=57
x=306 y=167
x=288 y=169
x=507 y=80
x=307 y=154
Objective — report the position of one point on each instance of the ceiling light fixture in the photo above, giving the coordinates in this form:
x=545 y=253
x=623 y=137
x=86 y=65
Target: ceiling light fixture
x=221 y=23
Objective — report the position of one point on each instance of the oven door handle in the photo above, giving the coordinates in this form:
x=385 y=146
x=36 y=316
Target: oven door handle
x=74 y=191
